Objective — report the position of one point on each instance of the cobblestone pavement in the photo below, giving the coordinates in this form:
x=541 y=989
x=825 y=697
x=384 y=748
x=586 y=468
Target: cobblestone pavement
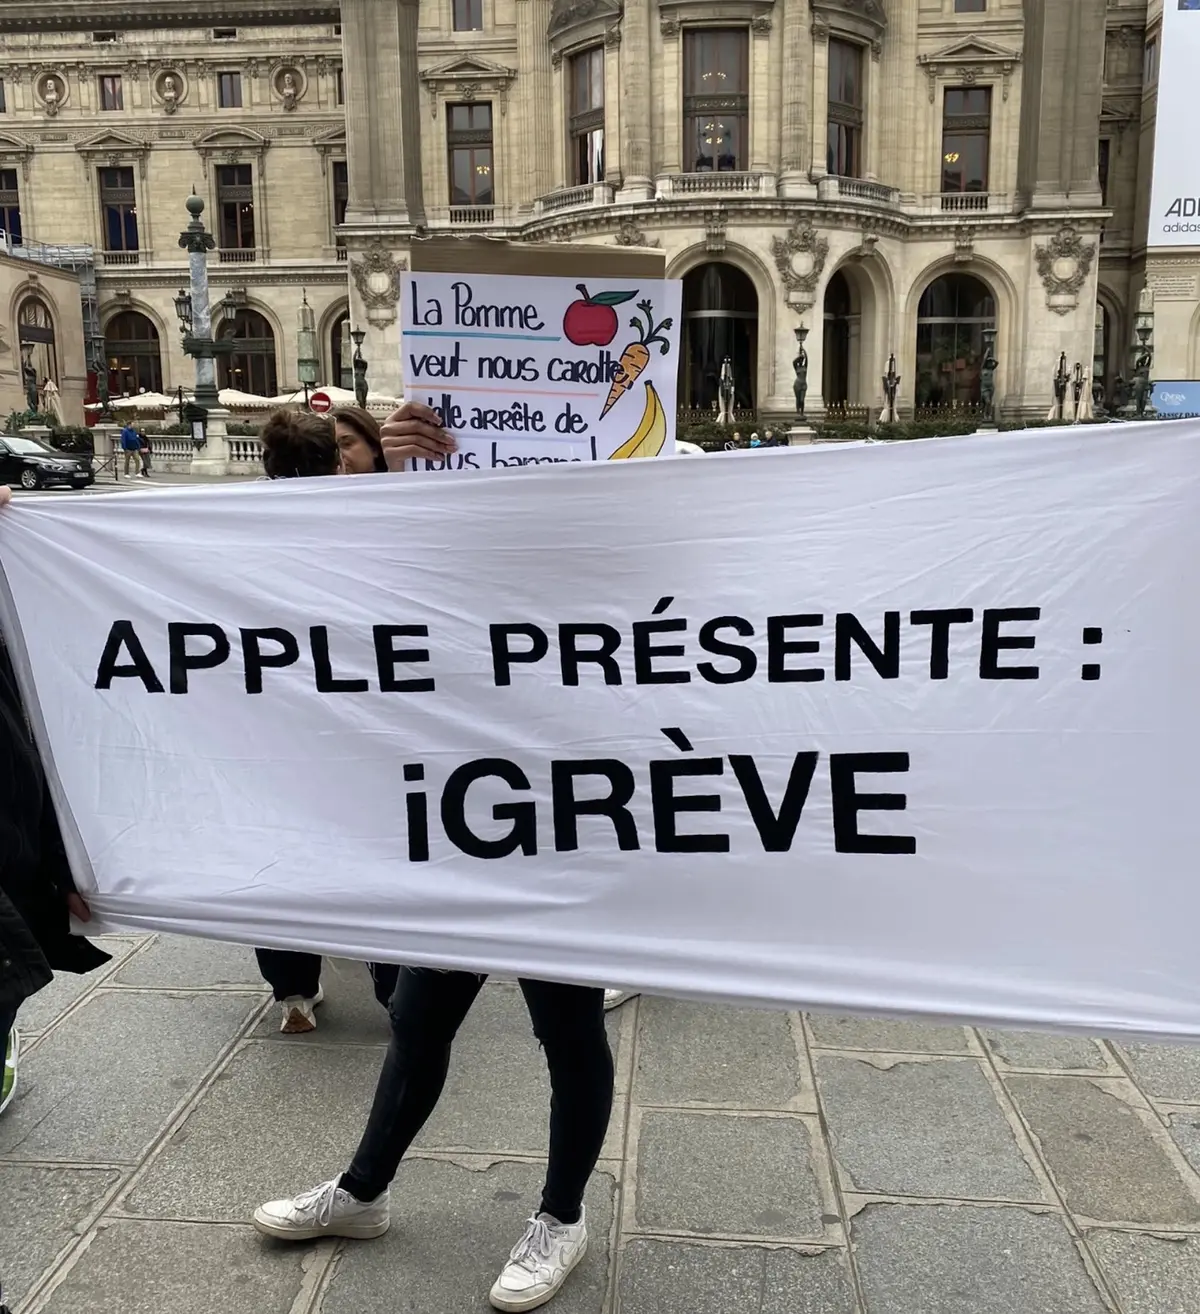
x=758 y=1163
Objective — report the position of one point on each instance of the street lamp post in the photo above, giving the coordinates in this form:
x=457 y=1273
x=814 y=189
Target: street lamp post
x=891 y=386
x=306 y=348
x=1143 y=355
x=1060 y=388
x=195 y=322
x=360 y=368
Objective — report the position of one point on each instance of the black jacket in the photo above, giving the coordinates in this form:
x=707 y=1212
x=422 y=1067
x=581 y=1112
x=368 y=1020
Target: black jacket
x=35 y=877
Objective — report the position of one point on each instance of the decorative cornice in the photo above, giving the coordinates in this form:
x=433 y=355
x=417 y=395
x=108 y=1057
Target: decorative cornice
x=84 y=15
x=463 y=78
x=569 y=16
x=865 y=19
x=964 y=61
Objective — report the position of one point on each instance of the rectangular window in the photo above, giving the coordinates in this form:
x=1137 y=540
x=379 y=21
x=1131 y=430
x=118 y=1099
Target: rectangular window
x=716 y=100
x=235 y=208
x=586 y=123
x=966 y=139
x=845 y=131
x=103 y=37
x=341 y=191
x=229 y=90
x=1150 y=63
x=339 y=86
x=1105 y=149
x=970 y=6
x=111 y=96
x=10 y=206
x=469 y=142
x=224 y=33
x=468 y=15
x=118 y=209
x=3 y=101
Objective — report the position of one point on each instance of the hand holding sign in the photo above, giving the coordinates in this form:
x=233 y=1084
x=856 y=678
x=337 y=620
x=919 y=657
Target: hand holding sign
x=414 y=432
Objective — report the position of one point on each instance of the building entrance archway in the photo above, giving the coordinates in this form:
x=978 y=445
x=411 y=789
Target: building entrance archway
x=720 y=318
x=953 y=313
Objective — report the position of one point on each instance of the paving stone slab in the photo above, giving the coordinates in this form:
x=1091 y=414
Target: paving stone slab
x=497 y=1096
x=103 y=1083
x=1107 y=1162
x=950 y=1259
x=350 y=1015
x=41 y=1210
x=1041 y=1049
x=184 y=962
x=298 y=1113
x=452 y=1230
x=1185 y=1132
x=49 y=1004
x=692 y=1053
x=1166 y=1072
x=669 y=1277
x=727 y=1174
x=927 y=1129
x=135 y=1267
x=1150 y=1275
x=831 y=1031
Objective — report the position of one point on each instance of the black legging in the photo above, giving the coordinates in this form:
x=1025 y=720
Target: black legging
x=427 y=1010
x=291 y=972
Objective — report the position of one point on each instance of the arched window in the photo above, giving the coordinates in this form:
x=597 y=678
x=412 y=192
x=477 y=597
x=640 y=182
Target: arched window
x=839 y=307
x=134 y=355
x=35 y=335
x=720 y=318
x=1102 y=347
x=251 y=367
x=954 y=311
x=341 y=354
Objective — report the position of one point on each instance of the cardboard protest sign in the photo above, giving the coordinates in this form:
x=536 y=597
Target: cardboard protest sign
x=908 y=728
x=527 y=366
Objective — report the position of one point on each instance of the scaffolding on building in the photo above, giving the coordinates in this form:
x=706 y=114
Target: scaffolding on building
x=81 y=261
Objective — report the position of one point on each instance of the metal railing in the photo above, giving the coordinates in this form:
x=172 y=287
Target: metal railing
x=847 y=413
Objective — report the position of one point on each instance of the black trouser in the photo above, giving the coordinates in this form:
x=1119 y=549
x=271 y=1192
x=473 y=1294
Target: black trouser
x=427 y=1009
x=290 y=973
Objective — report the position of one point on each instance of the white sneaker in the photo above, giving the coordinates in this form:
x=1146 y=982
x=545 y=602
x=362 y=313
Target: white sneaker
x=615 y=998
x=326 y=1210
x=540 y=1263
x=298 y=1013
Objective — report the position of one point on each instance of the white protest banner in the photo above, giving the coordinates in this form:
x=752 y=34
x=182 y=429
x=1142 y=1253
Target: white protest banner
x=909 y=728
x=531 y=371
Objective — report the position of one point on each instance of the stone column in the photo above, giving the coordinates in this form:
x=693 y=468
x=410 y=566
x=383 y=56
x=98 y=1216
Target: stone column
x=669 y=89
x=820 y=99
x=614 y=119
x=760 y=95
x=1061 y=94
x=796 y=141
x=637 y=162
x=873 y=125
x=534 y=91
x=383 y=144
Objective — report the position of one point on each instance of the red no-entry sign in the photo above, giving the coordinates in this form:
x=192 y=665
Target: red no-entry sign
x=321 y=402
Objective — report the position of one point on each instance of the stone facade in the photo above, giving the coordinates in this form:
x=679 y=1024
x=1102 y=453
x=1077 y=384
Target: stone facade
x=41 y=330
x=1003 y=149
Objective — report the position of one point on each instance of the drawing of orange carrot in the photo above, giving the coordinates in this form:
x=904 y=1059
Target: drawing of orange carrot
x=636 y=356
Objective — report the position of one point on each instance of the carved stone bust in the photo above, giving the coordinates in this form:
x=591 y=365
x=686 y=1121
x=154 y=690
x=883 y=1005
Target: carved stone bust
x=289 y=86
x=52 y=91
x=170 y=88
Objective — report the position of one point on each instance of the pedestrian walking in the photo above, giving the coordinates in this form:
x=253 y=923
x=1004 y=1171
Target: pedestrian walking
x=426 y=1012
x=146 y=453
x=37 y=892
x=131 y=446
x=297 y=445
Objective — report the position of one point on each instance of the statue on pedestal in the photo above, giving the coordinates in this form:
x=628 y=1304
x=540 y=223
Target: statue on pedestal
x=725 y=390
x=800 y=383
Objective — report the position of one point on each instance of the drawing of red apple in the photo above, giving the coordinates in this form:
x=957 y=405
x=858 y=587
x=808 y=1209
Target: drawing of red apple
x=592 y=321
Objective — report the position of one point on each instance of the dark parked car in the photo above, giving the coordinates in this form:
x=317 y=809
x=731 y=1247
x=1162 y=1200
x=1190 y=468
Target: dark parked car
x=32 y=464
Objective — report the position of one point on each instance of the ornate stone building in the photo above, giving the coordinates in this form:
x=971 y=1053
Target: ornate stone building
x=892 y=175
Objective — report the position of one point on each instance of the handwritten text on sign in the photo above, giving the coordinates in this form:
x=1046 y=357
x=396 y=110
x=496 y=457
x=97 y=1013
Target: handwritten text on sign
x=528 y=371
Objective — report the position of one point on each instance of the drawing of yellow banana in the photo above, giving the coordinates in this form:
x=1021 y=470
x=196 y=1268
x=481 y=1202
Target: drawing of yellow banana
x=651 y=433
